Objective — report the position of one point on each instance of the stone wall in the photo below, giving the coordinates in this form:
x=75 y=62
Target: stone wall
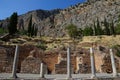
x=30 y=62
x=30 y=65
x=61 y=66
x=50 y=59
x=5 y=61
x=83 y=61
x=103 y=61
x=98 y=60
x=106 y=66
x=7 y=56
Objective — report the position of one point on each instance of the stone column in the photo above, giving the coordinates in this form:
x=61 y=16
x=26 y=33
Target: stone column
x=68 y=64
x=15 y=62
x=41 y=71
x=92 y=63
x=113 y=64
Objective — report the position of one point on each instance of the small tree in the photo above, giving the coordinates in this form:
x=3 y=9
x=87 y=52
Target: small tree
x=12 y=27
x=72 y=31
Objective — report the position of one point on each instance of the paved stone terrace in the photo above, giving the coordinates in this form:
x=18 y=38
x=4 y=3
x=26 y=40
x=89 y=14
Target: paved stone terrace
x=99 y=76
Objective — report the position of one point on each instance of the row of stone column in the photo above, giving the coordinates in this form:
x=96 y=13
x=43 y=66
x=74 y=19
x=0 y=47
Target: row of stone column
x=93 y=72
x=93 y=63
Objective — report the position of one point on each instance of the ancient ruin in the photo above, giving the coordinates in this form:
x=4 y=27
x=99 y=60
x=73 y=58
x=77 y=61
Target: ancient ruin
x=56 y=62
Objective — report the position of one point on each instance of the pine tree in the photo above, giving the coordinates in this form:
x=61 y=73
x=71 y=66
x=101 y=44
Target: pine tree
x=117 y=28
x=35 y=31
x=99 y=29
x=106 y=25
x=12 y=27
x=30 y=26
x=79 y=33
x=95 y=29
x=112 y=28
x=91 y=31
x=1 y=25
x=32 y=30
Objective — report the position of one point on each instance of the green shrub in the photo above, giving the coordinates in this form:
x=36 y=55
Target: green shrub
x=2 y=31
x=41 y=46
x=117 y=29
x=23 y=32
x=88 y=31
x=73 y=31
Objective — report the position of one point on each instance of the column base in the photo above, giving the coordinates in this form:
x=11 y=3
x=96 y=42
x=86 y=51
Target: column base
x=14 y=76
x=41 y=76
x=69 y=79
x=93 y=76
x=115 y=75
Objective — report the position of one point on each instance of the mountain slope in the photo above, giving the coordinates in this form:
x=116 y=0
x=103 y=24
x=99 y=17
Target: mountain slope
x=52 y=23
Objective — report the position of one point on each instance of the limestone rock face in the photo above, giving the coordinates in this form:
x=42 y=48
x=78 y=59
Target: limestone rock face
x=52 y=23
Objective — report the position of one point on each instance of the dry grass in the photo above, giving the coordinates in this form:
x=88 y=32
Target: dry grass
x=106 y=40
x=65 y=41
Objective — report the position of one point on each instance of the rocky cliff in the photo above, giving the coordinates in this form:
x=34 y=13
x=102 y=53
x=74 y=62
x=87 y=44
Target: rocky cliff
x=52 y=23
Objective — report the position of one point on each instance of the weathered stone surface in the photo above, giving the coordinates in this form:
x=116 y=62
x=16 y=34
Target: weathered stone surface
x=7 y=56
x=52 y=23
x=103 y=61
x=83 y=61
x=5 y=60
x=30 y=64
x=61 y=66
x=30 y=58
